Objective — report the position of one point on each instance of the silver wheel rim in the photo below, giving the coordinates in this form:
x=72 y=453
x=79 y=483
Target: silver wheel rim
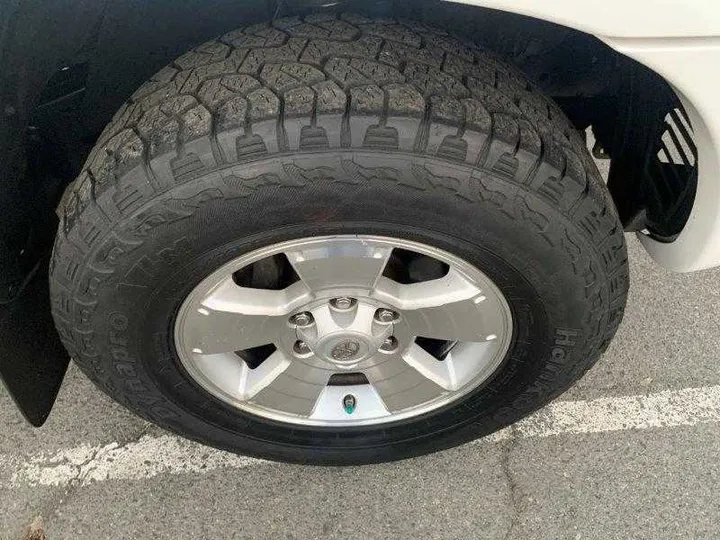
x=343 y=320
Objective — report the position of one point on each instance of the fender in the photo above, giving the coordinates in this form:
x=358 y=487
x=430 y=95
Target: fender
x=681 y=42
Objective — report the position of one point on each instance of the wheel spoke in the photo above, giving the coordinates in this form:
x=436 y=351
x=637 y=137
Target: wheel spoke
x=254 y=380
x=233 y=318
x=297 y=388
x=399 y=385
x=441 y=373
x=340 y=263
x=232 y=298
x=450 y=308
x=236 y=378
x=454 y=370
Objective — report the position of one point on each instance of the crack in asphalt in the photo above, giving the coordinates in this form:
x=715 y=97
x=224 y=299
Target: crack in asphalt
x=84 y=468
x=508 y=446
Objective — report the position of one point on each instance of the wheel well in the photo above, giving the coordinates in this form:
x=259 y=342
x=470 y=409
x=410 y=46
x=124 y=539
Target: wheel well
x=124 y=44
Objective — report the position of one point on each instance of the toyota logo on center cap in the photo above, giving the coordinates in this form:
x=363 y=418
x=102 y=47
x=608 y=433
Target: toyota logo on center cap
x=345 y=350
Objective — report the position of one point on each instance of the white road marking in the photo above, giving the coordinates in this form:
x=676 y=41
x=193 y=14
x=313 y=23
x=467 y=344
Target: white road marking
x=154 y=455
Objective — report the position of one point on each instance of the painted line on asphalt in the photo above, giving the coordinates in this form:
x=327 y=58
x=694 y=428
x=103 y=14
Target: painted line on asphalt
x=159 y=455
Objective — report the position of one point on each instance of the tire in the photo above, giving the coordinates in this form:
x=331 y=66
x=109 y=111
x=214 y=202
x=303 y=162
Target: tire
x=332 y=126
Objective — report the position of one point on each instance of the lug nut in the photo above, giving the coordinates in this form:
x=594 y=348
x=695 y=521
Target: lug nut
x=301 y=349
x=302 y=319
x=389 y=345
x=343 y=303
x=385 y=315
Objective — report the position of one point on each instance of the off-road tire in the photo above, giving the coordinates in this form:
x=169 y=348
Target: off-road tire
x=329 y=125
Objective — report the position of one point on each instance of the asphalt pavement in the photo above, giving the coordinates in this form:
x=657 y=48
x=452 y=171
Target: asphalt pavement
x=632 y=451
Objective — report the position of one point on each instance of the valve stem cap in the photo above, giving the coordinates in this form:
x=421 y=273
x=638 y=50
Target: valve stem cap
x=349 y=403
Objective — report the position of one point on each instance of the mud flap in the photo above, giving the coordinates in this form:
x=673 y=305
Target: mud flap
x=33 y=361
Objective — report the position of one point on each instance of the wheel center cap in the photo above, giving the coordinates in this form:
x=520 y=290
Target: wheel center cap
x=345 y=350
